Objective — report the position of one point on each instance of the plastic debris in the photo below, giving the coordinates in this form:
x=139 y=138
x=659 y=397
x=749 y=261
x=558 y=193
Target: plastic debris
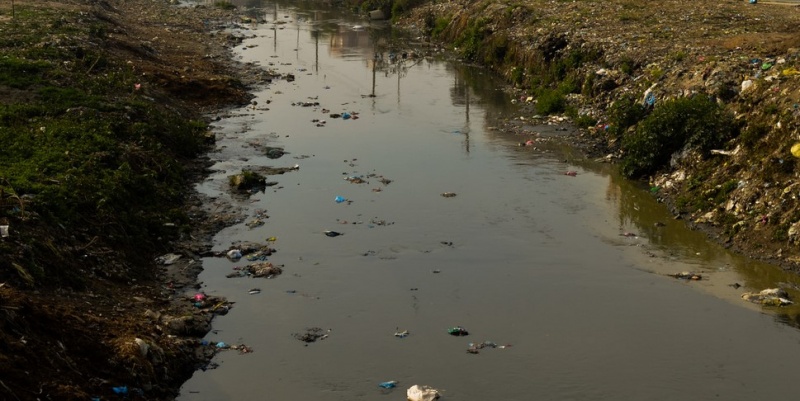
x=4 y=231
x=332 y=233
x=312 y=334
x=199 y=297
x=769 y=297
x=167 y=259
x=255 y=223
x=254 y=291
x=571 y=173
x=234 y=254
x=122 y=390
x=389 y=384
x=650 y=99
x=144 y=347
x=458 y=331
x=222 y=345
x=687 y=276
x=340 y=199
x=355 y=179
x=262 y=269
x=401 y=334
x=790 y=72
x=475 y=348
x=448 y=194
x=422 y=393
x=796 y=150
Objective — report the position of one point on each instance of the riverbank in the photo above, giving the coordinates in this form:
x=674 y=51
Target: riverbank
x=104 y=130
x=610 y=66
x=124 y=322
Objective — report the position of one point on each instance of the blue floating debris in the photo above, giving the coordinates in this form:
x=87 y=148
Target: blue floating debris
x=389 y=384
x=339 y=199
x=122 y=390
x=345 y=116
x=222 y=345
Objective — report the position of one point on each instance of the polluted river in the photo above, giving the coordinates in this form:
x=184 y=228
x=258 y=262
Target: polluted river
x=419 y=245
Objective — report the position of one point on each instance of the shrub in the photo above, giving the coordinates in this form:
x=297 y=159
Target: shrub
x=439 y=26
x=585 y=121
x=696 y=122
x=550 y=101
x=624 y=113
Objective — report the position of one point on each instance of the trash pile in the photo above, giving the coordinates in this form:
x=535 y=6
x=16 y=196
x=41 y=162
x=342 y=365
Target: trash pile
x=769 y=297
x=686 y=276
x=221 y=345
x=249 y=250
x=258 y=269
x=312 y=334
x=209 y=304
x=475 y=348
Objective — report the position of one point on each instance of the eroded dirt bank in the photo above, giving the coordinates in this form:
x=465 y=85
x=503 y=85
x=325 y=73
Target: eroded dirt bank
x=608 y=65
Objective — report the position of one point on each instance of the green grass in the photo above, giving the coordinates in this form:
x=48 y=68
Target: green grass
x=85 y=151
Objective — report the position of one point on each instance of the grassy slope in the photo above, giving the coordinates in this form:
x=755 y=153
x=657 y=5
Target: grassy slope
x=100 y=132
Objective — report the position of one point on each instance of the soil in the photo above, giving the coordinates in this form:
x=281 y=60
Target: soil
x=142 y=335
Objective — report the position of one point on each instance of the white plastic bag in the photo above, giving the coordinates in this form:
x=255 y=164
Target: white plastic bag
x=422 y=393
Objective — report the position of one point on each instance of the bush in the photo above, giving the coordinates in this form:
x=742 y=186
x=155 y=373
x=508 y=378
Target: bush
x=550 y=101
x=439 y=25
x=625 y=113
x=697 y=122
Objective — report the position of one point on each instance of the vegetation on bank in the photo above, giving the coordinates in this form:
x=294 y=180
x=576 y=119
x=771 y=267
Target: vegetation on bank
x=90 y=159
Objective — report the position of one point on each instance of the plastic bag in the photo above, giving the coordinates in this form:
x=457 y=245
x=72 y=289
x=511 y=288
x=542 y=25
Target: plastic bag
x=422 y=393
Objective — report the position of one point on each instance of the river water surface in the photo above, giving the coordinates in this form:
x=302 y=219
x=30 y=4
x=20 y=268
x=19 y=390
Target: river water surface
x=523 y=255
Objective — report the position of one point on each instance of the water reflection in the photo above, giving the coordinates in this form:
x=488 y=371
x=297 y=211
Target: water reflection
x=636 y=210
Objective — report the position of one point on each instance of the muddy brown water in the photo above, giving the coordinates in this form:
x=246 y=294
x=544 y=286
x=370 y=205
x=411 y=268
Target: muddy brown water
x=523 y=255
